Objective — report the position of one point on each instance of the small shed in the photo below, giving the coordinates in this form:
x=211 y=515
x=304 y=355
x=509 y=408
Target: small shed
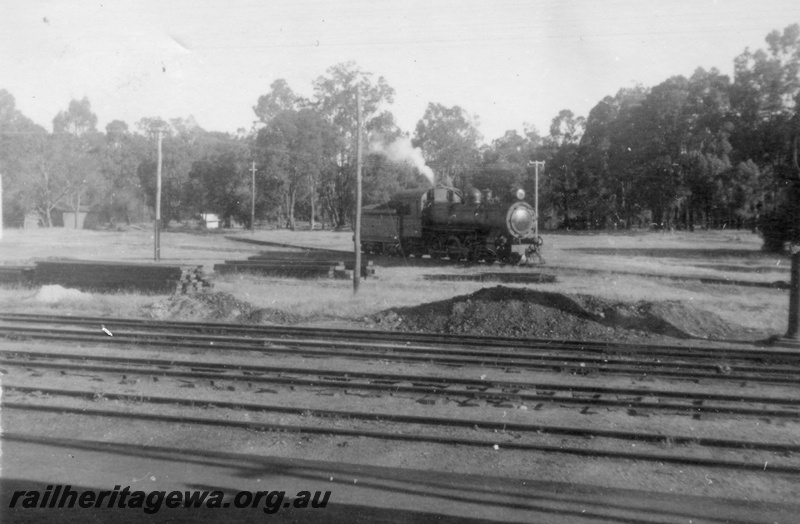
x=211 y=220
x=86 y=217
x=31 y=221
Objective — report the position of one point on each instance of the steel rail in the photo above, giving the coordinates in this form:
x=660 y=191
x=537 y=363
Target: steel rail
x=656 y=438
x=415 y=354
x=258 y=368
x=449 y=440
x=435 y=338
x=554 y=360
x=421 y=384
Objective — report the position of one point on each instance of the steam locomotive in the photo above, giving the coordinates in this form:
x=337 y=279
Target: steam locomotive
x=443 y=222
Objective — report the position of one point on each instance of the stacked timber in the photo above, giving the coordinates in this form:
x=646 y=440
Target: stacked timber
x=301 y=265
x=345 y=269
x=193 y=280
x=93 y=275
x=16 y=275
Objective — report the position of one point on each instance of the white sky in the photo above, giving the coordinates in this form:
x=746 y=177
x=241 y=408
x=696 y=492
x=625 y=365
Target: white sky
x=508 y=62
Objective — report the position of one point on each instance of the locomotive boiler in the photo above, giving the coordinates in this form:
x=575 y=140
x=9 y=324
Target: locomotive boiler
x=442 y=222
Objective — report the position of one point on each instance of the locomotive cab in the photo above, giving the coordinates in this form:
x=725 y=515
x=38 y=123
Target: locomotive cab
x=441 y=205
x=443 y=194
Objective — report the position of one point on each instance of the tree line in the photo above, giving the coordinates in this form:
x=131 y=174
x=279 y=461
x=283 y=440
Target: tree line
x=706 y=151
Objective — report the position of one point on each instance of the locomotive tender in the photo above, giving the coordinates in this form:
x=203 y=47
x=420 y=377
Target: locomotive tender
x=441 y=222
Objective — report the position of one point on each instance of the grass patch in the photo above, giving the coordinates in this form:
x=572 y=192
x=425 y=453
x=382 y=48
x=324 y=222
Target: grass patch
x=621 y=266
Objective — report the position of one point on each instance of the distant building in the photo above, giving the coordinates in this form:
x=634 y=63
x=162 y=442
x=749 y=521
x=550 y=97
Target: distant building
x=63 y=216
x=211 y=220
x=31 y=221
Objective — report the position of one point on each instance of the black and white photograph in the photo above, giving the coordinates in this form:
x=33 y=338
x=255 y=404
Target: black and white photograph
x=363 y=261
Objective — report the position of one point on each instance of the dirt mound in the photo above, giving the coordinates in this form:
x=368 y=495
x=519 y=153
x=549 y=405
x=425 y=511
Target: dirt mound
x=218 y=307
x=696 y=323
x=55 y=293
x=517 y=312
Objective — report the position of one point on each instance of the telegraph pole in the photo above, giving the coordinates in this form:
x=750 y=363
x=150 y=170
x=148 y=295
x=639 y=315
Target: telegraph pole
x=78 y=210
x=536 y=195
x=157 y=224
x=793 y=331
x=253 y=201
x=357 y=226
x=792 y=336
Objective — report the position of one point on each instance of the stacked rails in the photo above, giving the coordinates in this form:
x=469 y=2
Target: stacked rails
x=93 y=275
x=300 y=265
x=343 y=263
x=508 y=278
x=16 y=275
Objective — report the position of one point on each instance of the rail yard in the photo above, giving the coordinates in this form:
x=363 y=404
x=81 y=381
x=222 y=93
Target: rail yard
x=444 y=425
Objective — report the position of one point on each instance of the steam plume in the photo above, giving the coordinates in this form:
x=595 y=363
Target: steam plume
x=401 y=150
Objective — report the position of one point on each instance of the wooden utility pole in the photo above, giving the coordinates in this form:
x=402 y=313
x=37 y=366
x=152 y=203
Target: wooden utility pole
x=536 y=195
x=793 y=332
x=1 y=207
x=78 y=210
x=357 y=226
x=157 y=223
x=253 y=200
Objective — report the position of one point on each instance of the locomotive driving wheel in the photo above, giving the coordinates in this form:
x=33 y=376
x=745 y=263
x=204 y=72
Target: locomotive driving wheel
x=454 y=248
x=436 y=249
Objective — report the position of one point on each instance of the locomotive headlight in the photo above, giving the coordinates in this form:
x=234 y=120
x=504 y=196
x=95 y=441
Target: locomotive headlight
x=520 y=220
x=520 y=194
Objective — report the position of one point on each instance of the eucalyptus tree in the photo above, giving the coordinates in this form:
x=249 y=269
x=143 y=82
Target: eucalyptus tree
x=77 y=120
x=505 y=161
x=122 y=153
x=709 y=115
x=663 y=134
x=513 y=148
x=182 y=143
x=335 y=99
x=219 y=181
x=605 y=184
x=564 y=162
x=765 y=96
x=668 y=146
x=617 y=139
x=81 y=144
x=279 y=98
x=65 y=165
x=450 y=141
x=296 y=148
x=19 y=138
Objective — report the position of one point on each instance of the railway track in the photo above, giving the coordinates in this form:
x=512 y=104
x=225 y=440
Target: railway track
x=536 y=394
x=583 y=346
x=70 y=382
x=653 y=447
x=582 y=358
